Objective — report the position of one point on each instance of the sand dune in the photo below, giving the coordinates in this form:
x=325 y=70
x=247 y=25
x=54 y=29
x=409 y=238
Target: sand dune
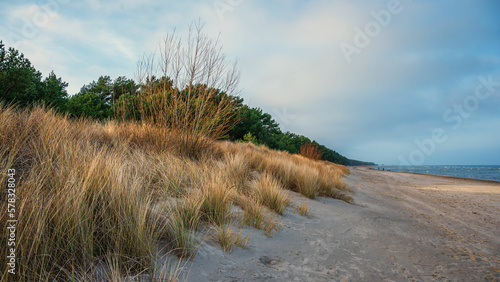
x=402 y=227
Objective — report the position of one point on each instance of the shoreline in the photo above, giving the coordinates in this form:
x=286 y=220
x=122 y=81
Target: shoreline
x=437 y=175
x=402 y=226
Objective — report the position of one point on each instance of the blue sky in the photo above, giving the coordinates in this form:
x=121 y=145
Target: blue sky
x=384 y=81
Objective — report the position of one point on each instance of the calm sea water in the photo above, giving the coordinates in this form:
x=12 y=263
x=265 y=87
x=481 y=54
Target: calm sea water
x=477 y=171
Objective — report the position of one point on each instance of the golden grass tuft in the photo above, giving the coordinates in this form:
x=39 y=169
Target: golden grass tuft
x=255 y=215
x=307 y=182
x=182 y=222
x=229 y=238
x=237 y=170
x=295 y=172
x=269 y=192
x=77 y=200
x=304 y=210
x=94 y=196
x=217 y=199
x=183 y=240
x=310 y=151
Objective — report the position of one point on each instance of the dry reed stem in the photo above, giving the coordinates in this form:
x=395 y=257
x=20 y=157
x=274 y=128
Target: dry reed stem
x=91 y=194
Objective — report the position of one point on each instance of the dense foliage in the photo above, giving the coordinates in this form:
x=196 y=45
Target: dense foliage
x=22 y=84
x=261 y=128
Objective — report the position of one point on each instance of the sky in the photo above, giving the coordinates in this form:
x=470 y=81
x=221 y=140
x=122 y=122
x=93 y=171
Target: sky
x=387 y=81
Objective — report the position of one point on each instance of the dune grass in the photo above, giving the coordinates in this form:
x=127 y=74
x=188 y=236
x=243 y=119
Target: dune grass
x=229 y=238
x=269 y=192
x=102 y=198
x=311 y=151
x=257 y=216
x=304 y=210
x=306 y=176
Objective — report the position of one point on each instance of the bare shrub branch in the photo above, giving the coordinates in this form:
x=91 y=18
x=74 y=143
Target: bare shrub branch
x=189 y=87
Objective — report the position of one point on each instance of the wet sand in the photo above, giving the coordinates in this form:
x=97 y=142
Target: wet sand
x=402 y=227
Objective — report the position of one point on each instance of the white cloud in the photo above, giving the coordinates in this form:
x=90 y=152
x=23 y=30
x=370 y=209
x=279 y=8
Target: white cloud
x=393 y=91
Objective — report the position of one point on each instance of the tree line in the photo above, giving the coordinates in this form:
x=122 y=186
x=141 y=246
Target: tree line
x=124 y=98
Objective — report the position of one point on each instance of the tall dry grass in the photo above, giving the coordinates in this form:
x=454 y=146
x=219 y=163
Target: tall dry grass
x=306 y=176
x=269 y=192
x=98 y=200
x=190 y=87
x=311 y=151
x=80 y=196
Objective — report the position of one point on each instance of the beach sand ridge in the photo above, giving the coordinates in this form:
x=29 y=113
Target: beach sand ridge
x=402 y=227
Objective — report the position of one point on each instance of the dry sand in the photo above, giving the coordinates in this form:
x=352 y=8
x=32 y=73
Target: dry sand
x=402 y=227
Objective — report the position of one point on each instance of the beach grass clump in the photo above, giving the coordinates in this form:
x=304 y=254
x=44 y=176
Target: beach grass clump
x=337 y=167
x=331 y=184
x=183 y=217
x=237 y=170
x=171 y=175
x=304 y=210
x=93 y=196
x=257 y=215
x=78 y=198
x=189 y=210
x=229 y=238
x=341 y=195
x=282 y=169
x=307 y=182
x=310 y=151
x=165 y=268
x=254 y=213
x=269 y=192
x=309 y=177
x=217 y=199
x=271 y=226
x=182 y=239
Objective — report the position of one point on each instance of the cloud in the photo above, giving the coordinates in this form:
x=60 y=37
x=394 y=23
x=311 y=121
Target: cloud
x=395 y=90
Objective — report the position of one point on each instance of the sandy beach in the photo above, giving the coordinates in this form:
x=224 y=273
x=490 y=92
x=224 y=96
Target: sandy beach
x=402 y=227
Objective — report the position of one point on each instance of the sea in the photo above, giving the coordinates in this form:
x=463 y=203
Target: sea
x=486 y=172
